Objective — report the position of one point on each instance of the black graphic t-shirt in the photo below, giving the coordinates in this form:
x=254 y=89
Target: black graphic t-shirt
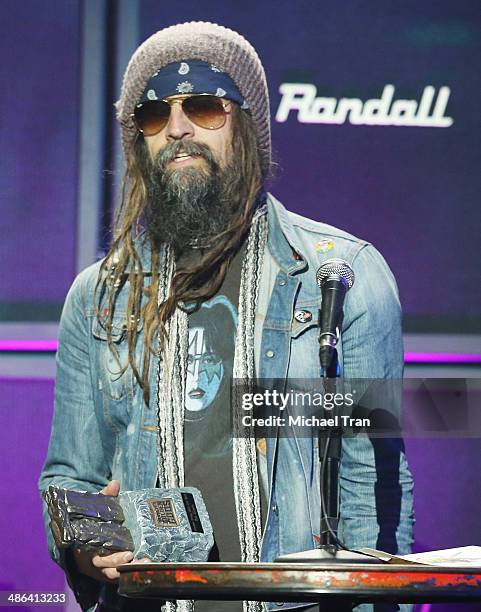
x=207 y=426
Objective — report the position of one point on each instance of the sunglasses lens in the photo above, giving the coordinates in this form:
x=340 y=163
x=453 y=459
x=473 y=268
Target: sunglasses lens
x=152 y=117
x=205 y=111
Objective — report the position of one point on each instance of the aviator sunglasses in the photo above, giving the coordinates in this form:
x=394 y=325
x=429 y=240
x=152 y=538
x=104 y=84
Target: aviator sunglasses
x=204 y=110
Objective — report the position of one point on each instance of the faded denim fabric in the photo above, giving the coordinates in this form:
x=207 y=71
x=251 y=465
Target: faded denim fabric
x=103 y=430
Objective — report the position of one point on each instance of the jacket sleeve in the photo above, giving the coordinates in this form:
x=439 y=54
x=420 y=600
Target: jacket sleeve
x=376 y=487
x=75 y=458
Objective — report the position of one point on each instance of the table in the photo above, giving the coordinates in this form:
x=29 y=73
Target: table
x=340 y=584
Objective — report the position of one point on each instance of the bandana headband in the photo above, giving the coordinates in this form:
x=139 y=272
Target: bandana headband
x=191 y=77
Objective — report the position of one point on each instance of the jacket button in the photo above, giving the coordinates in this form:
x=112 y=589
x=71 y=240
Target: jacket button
x=282 y=282
x=270 y=353
x=274 y=507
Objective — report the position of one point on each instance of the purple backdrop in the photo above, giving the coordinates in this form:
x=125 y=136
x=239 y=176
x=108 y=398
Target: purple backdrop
x=26 y=412
x=413 y=192
x=40 y=49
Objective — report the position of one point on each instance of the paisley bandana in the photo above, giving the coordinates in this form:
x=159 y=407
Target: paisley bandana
x=192 y=76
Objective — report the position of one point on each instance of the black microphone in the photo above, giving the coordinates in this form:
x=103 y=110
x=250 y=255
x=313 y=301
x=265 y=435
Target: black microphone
x=335 y=277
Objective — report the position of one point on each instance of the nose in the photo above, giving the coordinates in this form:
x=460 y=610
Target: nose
x=179 y=126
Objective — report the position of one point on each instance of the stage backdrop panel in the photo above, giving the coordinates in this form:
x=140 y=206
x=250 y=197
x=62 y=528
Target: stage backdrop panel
x=446 y=484
x=39 y=107
x=26 y=408
x=376 y=129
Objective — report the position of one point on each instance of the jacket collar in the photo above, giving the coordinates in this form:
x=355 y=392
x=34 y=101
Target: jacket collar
x=282 y=241
x=143 y=248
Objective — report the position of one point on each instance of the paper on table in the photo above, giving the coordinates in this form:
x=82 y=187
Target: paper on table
x=465 y=556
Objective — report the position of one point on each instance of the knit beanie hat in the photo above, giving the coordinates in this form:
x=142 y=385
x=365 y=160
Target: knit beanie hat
x=212 y=43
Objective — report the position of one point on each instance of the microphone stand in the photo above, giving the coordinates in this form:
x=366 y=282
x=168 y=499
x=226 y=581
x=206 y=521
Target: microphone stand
x=331 y=550
x=329 y=443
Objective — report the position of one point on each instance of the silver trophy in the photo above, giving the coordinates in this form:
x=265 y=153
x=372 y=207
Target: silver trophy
x=164 y=525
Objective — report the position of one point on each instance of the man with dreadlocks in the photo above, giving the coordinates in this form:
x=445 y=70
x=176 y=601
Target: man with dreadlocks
x=209 y=278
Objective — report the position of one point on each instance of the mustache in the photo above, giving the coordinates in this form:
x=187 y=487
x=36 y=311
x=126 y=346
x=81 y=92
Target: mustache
x=170 y=151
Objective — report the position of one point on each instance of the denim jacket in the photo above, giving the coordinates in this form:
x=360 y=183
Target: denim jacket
x=103 y=430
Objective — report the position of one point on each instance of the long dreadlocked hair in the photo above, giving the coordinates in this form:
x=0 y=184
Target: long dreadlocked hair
x=194 y=282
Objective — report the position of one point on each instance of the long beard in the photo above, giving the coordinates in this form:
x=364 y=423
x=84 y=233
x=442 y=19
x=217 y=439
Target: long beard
x=190 y=206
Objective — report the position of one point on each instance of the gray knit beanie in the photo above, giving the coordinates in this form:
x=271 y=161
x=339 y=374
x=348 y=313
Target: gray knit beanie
x=212 y=43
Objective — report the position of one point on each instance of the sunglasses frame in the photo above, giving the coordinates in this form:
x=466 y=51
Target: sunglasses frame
x=181 y=99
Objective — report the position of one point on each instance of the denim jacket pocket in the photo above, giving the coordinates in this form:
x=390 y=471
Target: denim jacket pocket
x=299 y=328
x=116 y=375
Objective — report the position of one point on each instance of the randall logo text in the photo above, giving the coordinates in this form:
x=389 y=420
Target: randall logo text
x=429 y=111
